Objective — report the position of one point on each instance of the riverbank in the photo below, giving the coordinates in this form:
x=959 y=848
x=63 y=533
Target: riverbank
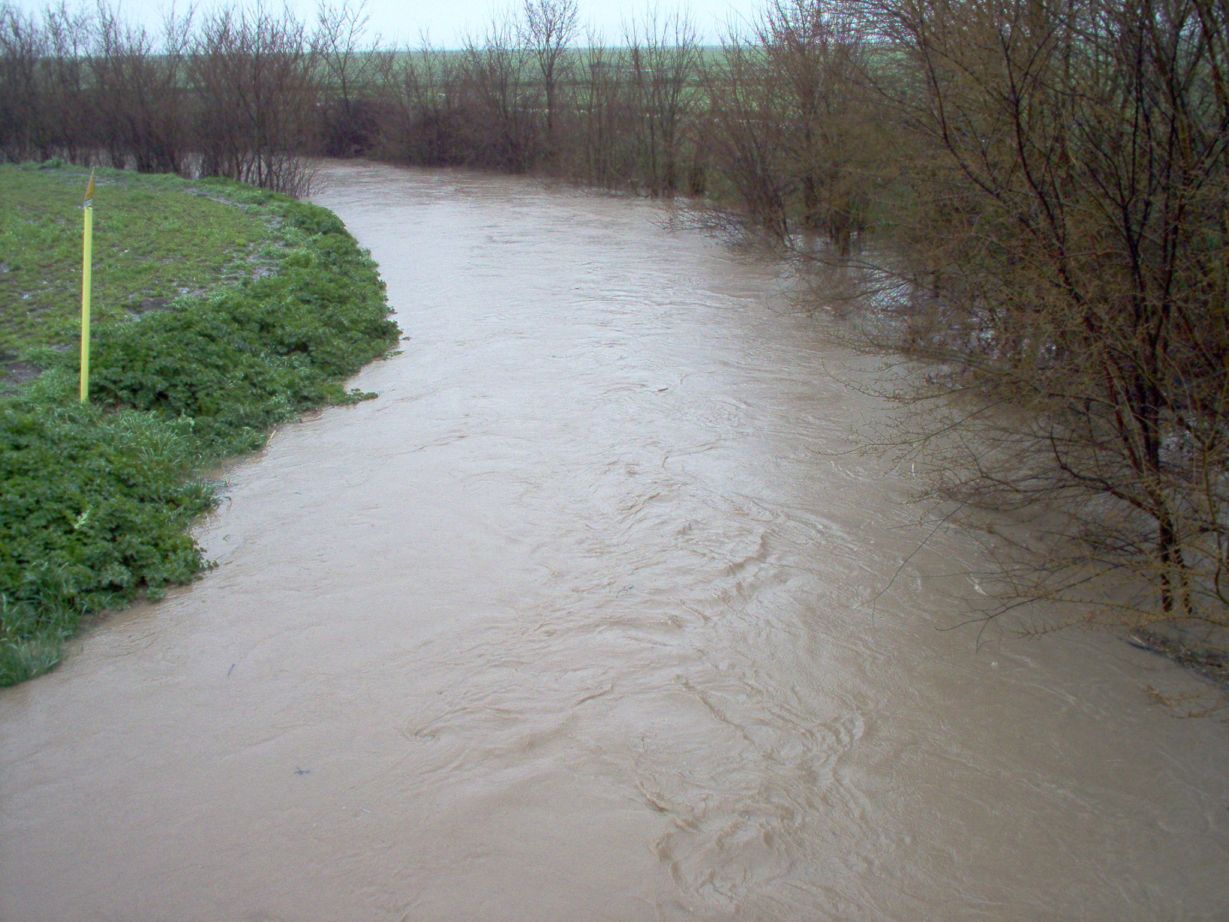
x=594 y=589
x=221 y=311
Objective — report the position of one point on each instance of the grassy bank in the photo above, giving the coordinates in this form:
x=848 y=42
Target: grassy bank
x=221 y=311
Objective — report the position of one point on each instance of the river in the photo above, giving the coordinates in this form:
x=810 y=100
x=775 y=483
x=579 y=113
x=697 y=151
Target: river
x=581 y=619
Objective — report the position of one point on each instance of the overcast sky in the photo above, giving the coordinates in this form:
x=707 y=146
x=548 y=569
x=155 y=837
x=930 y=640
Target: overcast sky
x=448 y=21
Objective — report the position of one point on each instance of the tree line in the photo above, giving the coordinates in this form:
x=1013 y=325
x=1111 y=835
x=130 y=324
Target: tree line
x=1037 y=190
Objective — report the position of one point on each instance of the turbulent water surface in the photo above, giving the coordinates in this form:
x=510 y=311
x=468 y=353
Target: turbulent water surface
x=579 y=621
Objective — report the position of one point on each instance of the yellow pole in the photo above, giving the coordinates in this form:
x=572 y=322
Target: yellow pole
x=87 y=254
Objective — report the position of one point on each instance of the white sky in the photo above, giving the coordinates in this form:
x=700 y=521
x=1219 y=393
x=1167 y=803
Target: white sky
x=401 y=22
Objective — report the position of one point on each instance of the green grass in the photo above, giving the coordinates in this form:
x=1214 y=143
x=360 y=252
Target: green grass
x=156 y=239
x=96 y=501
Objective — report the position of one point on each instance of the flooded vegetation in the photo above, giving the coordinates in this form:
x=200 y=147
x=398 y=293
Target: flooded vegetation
x=585 y=617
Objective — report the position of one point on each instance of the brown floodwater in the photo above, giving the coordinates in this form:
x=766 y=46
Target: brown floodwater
x=581 y=620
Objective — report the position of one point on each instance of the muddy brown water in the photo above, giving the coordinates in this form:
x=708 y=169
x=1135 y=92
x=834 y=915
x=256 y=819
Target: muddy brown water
x=575 y=622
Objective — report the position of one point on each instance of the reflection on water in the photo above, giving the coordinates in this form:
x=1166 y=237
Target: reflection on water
x=573 y=623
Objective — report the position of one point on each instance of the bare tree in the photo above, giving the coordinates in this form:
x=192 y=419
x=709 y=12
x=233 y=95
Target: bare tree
x=503 y=102
x=349 y=111
x=748 y=134
x=24 y=128
x=816 y=53
x=663 y=57
x=1075 y=205
x=547 y=28
x=257 y=84
x=433 y=120
x=66 y=93
x=792 y=126
x=138 y=90
x=607 y=117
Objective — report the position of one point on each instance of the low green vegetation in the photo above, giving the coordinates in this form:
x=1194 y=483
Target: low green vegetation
x=225 y=311
x=158 y=239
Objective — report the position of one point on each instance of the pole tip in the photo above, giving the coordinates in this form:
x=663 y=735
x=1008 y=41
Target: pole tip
x=89 y=191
